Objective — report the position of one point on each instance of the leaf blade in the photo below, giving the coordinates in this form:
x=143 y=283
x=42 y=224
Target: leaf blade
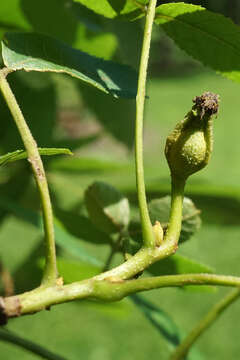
x=208 y=37
x=126 y=9
x=35 y=52
x=21 y=154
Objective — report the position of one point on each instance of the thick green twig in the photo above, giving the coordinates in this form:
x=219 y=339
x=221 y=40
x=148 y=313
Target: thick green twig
x=110 y=289
x=10 y=337
x=148 y=237
x=50 y=271
x=183 y=349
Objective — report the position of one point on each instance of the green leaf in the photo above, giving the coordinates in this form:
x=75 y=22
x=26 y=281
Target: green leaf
x=35 y=52
x=159 y=210
x=208 y=37
x=116 y=8
x=107 y=208
x=178 y=264
x=164 y=324
x=21 y=154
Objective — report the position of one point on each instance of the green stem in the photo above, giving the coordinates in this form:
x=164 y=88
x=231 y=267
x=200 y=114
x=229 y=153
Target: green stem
x=25 y=344
x=148 y=237
x=183 y=349
x=175 y=219
x=111 y=288
x=50 y=271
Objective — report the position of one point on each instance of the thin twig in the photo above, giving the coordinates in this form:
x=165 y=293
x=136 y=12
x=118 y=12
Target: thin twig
x=50 y=271
x=148 y=237
x=183 y=349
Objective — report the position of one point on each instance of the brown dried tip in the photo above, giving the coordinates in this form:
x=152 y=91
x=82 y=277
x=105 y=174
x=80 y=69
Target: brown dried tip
x=207 y=103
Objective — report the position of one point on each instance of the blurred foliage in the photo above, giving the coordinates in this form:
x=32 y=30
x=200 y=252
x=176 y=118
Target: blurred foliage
x=99 y=128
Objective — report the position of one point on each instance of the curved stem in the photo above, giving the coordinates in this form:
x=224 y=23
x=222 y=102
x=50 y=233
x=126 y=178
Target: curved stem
x=148 y=237
x=50 y=271
x=183 y=349
x=28 y=345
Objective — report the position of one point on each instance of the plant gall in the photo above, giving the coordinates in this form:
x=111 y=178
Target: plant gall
x=189 y=146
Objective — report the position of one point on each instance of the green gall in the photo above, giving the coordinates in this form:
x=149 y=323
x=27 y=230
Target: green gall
x=189 y=146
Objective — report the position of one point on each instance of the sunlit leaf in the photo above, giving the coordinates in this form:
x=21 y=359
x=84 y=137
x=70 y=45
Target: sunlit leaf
x=127 y=9
x=35 y=52
x=21 y=154
x=208 y=37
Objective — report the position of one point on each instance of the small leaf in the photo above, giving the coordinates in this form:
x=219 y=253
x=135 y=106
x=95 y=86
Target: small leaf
x=108 y=209
x=208 y=37
x=178 y=264
x=126 y=9
x=159 y=210
x=35 y=52
x=21 y=154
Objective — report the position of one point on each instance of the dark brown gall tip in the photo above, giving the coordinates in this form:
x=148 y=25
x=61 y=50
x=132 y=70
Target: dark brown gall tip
x=207 y=103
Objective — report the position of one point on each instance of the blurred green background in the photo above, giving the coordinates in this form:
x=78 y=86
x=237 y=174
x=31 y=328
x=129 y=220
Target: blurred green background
x=99 y=129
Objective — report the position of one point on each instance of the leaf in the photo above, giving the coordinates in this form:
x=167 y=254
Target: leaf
x=208 y=37
x=35 y=52
x=128 y=9
x=164 y=324
x=107 y=208
x=21 y=154
x=178 y=264
x=159 y=210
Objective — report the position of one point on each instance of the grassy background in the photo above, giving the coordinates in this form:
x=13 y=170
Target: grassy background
x=120 y=331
